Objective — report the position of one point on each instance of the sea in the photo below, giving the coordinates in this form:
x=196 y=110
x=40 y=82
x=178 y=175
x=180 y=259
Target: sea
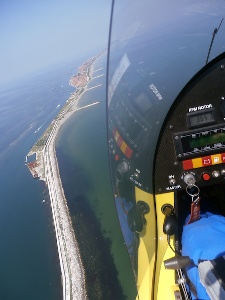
x=29 y=265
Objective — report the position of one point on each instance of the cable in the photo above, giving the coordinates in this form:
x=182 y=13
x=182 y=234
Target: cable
x=168 y=241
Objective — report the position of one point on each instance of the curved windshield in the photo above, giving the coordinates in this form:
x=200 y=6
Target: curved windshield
x=156 y=47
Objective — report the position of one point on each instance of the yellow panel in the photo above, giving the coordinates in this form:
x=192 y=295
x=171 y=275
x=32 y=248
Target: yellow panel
x=216 y=159
x=167 y=284
x=197 y=162
x=164 y=279
x=147 y=249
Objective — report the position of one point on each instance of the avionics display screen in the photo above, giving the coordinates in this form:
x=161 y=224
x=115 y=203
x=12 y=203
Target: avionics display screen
x=143 y=102
x=203 y=141
x=200 y=119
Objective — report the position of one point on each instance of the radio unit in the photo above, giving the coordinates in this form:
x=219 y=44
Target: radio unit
x=198 y=142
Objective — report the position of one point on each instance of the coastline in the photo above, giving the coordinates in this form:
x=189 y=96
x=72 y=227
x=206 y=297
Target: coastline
x=45 y=167
x=70 y=262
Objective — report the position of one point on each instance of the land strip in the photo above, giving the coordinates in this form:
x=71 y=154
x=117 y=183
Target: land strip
x=45 y=167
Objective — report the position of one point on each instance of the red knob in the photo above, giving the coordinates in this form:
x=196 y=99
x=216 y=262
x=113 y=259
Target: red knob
x=206 y=176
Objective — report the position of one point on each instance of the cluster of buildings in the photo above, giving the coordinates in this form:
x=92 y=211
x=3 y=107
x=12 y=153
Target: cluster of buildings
x=81 y=79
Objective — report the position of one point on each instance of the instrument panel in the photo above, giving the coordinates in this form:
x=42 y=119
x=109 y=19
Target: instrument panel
x=191 y=146
x=194 y=143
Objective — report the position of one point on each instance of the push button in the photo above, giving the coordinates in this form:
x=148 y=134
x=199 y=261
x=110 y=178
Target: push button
x=206 y=176
x=215 y=174
x=187 y=164
x=206 y=161
x=197 y=162
x=223 y=157
x=216 y=159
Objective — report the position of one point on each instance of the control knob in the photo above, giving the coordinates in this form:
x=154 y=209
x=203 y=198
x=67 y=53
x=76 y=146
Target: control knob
x=122 y=168
x=189 y=178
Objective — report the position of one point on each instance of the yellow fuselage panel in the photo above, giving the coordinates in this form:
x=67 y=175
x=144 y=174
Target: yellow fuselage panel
x=164 y=279
x=147 y=249
x=154 y=282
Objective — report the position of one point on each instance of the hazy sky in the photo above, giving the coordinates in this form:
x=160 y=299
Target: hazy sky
x=39 y=33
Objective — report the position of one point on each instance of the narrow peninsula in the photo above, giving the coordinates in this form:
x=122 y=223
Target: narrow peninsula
x=42 y=163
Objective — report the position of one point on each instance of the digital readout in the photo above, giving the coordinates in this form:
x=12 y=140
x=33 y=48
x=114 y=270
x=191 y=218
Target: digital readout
x=199 y=142
x=200 y=119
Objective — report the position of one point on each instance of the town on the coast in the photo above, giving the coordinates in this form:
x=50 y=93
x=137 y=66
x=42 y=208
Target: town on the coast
x=42 y=164
x=78 y=81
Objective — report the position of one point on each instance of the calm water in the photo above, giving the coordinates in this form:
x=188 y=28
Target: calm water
x=29 y=266
x=83 y=162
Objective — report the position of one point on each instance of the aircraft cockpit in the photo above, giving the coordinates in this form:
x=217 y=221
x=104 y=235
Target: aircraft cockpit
x=166 y=136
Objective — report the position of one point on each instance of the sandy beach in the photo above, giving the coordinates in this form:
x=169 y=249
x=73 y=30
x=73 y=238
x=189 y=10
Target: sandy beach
x=46 y=168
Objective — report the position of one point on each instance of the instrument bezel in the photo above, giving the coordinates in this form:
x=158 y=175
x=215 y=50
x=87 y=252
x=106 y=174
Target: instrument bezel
x=200 y=113
x=182 y=154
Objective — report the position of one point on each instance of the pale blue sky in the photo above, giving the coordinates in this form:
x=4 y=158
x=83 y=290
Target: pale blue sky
x=35 y=34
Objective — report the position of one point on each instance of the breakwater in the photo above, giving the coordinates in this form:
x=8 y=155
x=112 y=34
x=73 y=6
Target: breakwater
x=71 y=265
x=45 y=167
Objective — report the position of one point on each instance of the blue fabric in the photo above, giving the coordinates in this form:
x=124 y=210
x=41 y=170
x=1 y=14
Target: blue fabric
x=123 y=206
x=204 y=239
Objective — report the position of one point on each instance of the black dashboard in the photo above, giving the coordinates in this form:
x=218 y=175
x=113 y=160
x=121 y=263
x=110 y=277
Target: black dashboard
x=191 y=146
